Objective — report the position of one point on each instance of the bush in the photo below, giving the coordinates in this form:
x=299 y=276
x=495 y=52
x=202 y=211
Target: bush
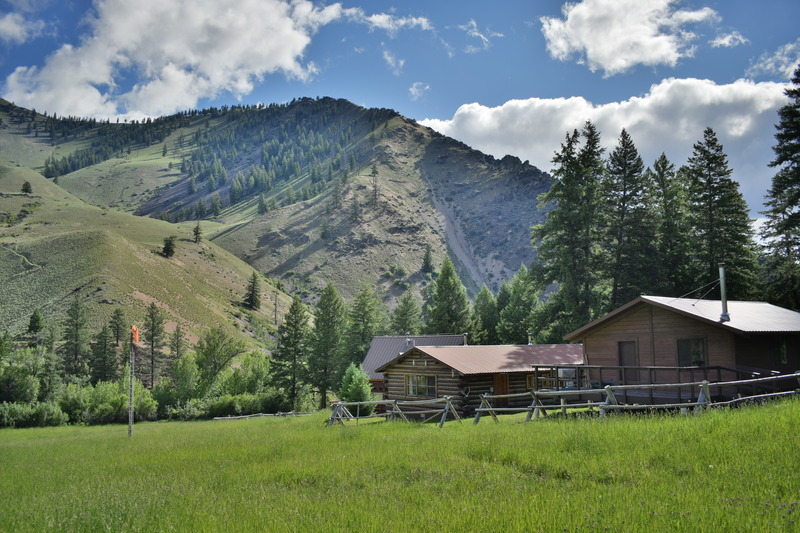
x=23 y=415
x=192 y=410
x=357 y=388
x=74 y=401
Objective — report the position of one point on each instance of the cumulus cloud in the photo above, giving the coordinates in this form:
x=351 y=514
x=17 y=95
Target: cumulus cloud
x=670 y=118
x=418 y=90
x=15 y=29
x=178 y=52
x=781 y=63
x=616 y=35
x=729 y=40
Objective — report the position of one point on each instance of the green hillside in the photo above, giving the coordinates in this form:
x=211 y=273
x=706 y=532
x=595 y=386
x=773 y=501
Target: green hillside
x=54 y=247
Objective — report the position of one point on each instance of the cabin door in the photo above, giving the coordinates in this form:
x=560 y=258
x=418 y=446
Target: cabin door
x=629 y=357
x=501 y=387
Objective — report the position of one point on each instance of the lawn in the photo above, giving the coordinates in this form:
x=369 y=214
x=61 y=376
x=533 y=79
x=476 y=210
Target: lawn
x=726 y=470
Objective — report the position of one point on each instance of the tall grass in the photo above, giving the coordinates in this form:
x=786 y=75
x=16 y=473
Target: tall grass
x=723 y=471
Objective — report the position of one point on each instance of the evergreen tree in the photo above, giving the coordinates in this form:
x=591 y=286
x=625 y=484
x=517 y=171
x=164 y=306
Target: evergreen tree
x=117 y=325
x=503 y=297
x=427 y=260
x=450 y=311
x=567 y=242
x=366 y=320
x=673 y=231
x=327 y=336
x=169 y=246
x=252 y=297
x=76 y=340
x=262 y=204
x=515 y=324
x=36 y=322
x=104 y=356
x=197 y=232
x=629 y=230
x=153 y=334
x=356 y=387
x=484 y=318
x=26 y=188
x=289 y=360
x=781 y=232
x=406 y=317
x=177 y=343
x=721 y=225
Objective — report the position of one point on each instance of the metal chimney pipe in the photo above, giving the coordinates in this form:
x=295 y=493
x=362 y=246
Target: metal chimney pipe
x=723 y=291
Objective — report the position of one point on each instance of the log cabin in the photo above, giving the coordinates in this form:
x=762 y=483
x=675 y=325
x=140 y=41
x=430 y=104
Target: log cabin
x=466 y=372
x=384 y=348
x=651 y=331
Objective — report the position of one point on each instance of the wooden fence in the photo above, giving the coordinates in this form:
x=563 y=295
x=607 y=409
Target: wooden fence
x=609 y=401
x=425 y=410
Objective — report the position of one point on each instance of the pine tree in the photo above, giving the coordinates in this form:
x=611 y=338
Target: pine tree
x=177 y=343
x=197 y=232
x=427 y=260
x=450 y=310
x=117 y=325
x=324 y=358
x=252 y=298
x=104 y=356
x=484 y=318
x=153 y=334
x=406 y=317
x=514 y=323
x=721 y=225
x=567 y=242
x=262 y=204
x=26 y=188
x=629 y=228
x=289 y=359
x=781 y=232
x=670 y=205
x=36 y=322
x=169 y=246
x=366 y=320
x=76 y=340
x=355 y=387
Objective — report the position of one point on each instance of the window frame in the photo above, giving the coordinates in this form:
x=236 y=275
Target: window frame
x=411 y=389
x=701 y=341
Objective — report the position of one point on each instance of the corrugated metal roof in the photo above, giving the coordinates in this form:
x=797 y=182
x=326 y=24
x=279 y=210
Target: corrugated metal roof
x=384 y=349
x=745 y=317
x=502 y=358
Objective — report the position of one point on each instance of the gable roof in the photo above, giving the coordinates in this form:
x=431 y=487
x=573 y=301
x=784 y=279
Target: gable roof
x=385 y=348
x=499 y=359
x=745 y=317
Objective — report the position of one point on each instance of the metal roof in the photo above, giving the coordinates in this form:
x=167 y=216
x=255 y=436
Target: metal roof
x=745 y=317
x=502 y=358
x=384 y=349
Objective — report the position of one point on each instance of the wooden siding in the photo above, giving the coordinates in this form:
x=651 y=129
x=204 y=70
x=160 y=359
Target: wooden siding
x=656 y=332
x=779 y=352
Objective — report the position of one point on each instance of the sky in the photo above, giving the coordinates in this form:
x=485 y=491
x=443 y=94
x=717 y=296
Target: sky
x=505 y=77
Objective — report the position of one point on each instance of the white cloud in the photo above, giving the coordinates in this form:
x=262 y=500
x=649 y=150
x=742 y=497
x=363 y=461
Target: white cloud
x=781 y=63
x=670 y=118
x=386 y=22
x=180 y=51
x=729 y=40
x=14 y=28
x=616 y=35
x=471 y=28
x=395 y=64
x=418 y=90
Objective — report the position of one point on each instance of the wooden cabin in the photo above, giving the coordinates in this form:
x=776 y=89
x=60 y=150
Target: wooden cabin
x=677 y=333
x=383 y=349
x=466 y=372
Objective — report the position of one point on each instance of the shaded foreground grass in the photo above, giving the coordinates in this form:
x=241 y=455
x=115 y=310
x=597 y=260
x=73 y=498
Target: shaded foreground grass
x=724 y=471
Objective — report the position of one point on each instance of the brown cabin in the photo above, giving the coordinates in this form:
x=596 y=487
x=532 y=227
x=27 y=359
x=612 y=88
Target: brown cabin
x=653 y=331
x=384 y=348
x=466 y=372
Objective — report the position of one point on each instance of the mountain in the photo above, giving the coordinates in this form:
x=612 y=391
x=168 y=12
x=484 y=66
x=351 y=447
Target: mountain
x=307 y=192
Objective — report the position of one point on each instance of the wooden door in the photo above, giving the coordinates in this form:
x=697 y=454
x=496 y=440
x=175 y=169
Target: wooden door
x=501 y=387
x=629 y=357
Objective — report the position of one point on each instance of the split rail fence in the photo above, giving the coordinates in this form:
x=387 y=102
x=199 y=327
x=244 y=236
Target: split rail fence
x=610 y=402
x=424 y=410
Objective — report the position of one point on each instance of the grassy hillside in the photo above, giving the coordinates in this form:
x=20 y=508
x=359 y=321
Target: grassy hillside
x=54 y=247
x=732 y=470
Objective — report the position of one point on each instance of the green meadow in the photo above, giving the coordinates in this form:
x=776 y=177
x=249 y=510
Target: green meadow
x=726 y=470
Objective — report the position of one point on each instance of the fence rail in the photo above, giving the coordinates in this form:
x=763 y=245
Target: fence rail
x=428 y=409
x=611 y=403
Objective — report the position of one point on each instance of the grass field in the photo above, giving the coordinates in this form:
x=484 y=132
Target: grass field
x=726 y=470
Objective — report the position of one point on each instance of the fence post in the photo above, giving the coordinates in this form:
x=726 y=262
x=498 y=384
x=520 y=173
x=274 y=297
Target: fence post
x=563 y=405
x=610 y=400
x=532 y=407
x=445 y=410
x=703 y=398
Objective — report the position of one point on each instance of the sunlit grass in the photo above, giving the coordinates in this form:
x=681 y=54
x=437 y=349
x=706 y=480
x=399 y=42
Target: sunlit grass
x=722 y=471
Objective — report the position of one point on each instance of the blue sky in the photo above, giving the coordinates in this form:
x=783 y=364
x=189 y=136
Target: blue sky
x=506 y=77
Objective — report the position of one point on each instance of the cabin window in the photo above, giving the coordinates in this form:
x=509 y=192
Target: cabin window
x=421 y=385
x=541 y=380
x=692 y=352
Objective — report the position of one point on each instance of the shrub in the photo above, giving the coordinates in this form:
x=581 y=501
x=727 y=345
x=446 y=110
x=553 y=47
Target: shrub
x=356 y=388
x=23 y=415
x=74 y=401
